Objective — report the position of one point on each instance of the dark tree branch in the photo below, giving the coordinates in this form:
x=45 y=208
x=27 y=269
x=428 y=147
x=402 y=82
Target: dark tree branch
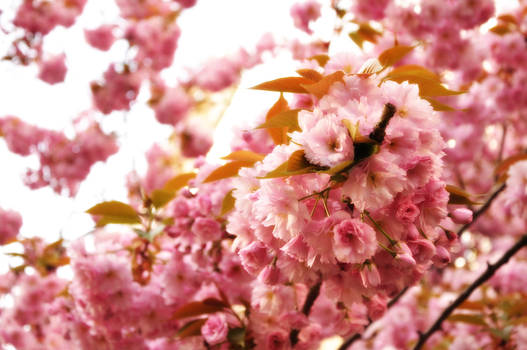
x=306 y=309
x=357 y=336
x=481 y=210
x=489 y=272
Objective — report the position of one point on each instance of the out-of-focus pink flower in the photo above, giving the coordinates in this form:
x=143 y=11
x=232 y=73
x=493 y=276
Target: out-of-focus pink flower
x=207 y=229
x=305 y=12
x=53 y=70
x=101 y=38
x=10 y=223
x=215 y=330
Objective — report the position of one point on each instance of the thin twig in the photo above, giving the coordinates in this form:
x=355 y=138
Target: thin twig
x=481 y=210
x=306 y=309
x=489 y=272
x=357 y=336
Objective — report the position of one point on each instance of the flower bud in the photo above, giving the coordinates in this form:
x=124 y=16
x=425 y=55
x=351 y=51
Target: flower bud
x=461 y=216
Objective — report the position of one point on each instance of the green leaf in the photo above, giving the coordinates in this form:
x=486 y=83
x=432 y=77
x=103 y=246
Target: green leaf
x=288 y=118
x=114 y=212
x=228 y=203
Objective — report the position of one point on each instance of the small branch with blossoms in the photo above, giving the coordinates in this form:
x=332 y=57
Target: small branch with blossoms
x=485 y=276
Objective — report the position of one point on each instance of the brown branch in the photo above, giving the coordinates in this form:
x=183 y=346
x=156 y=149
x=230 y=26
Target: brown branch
x=306 y=309
x=481 y=210
x=489 y=272
x=357 y=336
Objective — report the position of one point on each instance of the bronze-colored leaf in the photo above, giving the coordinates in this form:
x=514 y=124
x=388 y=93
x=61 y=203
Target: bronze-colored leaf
x=310 y=74
x=279 y=135
x=321 y=88
x=468 y=318
x=228 y=170
x=178 y=182
x=245 y=155
x=198 y=308
x=297 y=161
x=287 y=119
x=114 y=212
x=393 y=55
x=321 y=59
x=459 y=196
x=228 y=203
x=503 y=168
x=191 y=328
x=161 y=197
x=289 y=84
x=439 y=106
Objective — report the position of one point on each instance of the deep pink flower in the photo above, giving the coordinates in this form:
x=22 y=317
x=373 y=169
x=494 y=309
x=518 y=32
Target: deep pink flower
x=354 y=241
x=53 y=70
x=215 y=330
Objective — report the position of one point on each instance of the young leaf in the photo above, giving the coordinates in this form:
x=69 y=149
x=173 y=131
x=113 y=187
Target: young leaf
x=439 y=106
x=321 y=88
x=321 y=59
x=468 y=318
x=297 y=161
x=310 y=74
x=178 y=182
x=236 y=337
x=245 y=155
x=197 y=308
x=279 y=135
x=289 y=84
x=114 y=212
x=228 y=203
x=459 y=196
x=412 y=70
x=228 y=170
x=393 y=55
x=287 y=119
x=504 y=166
x=161 y=197
x=191 y=328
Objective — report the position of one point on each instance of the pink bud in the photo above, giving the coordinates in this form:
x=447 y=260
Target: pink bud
x=370 y=276
x=461 y=216
x=269 y=275
x=442 y=257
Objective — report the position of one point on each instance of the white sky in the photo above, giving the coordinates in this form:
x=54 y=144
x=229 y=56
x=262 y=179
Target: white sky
x=211 y=29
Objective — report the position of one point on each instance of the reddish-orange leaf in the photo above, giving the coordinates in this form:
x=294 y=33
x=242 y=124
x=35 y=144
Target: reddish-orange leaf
x=245 y=155
x=192 y=328
x=289 y=84
x=279 y=135
x=321 y=59
x=459 y=196
x=228 y=170
x=321 y=88
x=504 y=166
x=197 y=308
x=310 y=74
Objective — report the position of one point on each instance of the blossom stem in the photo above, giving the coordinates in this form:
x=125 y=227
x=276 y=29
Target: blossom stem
x=485 y=276
x=358 y=336
x=390 y=239
x=306 y=309
x=481 y=210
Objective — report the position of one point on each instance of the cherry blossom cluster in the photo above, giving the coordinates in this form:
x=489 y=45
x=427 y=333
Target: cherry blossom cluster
x=64 y=162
